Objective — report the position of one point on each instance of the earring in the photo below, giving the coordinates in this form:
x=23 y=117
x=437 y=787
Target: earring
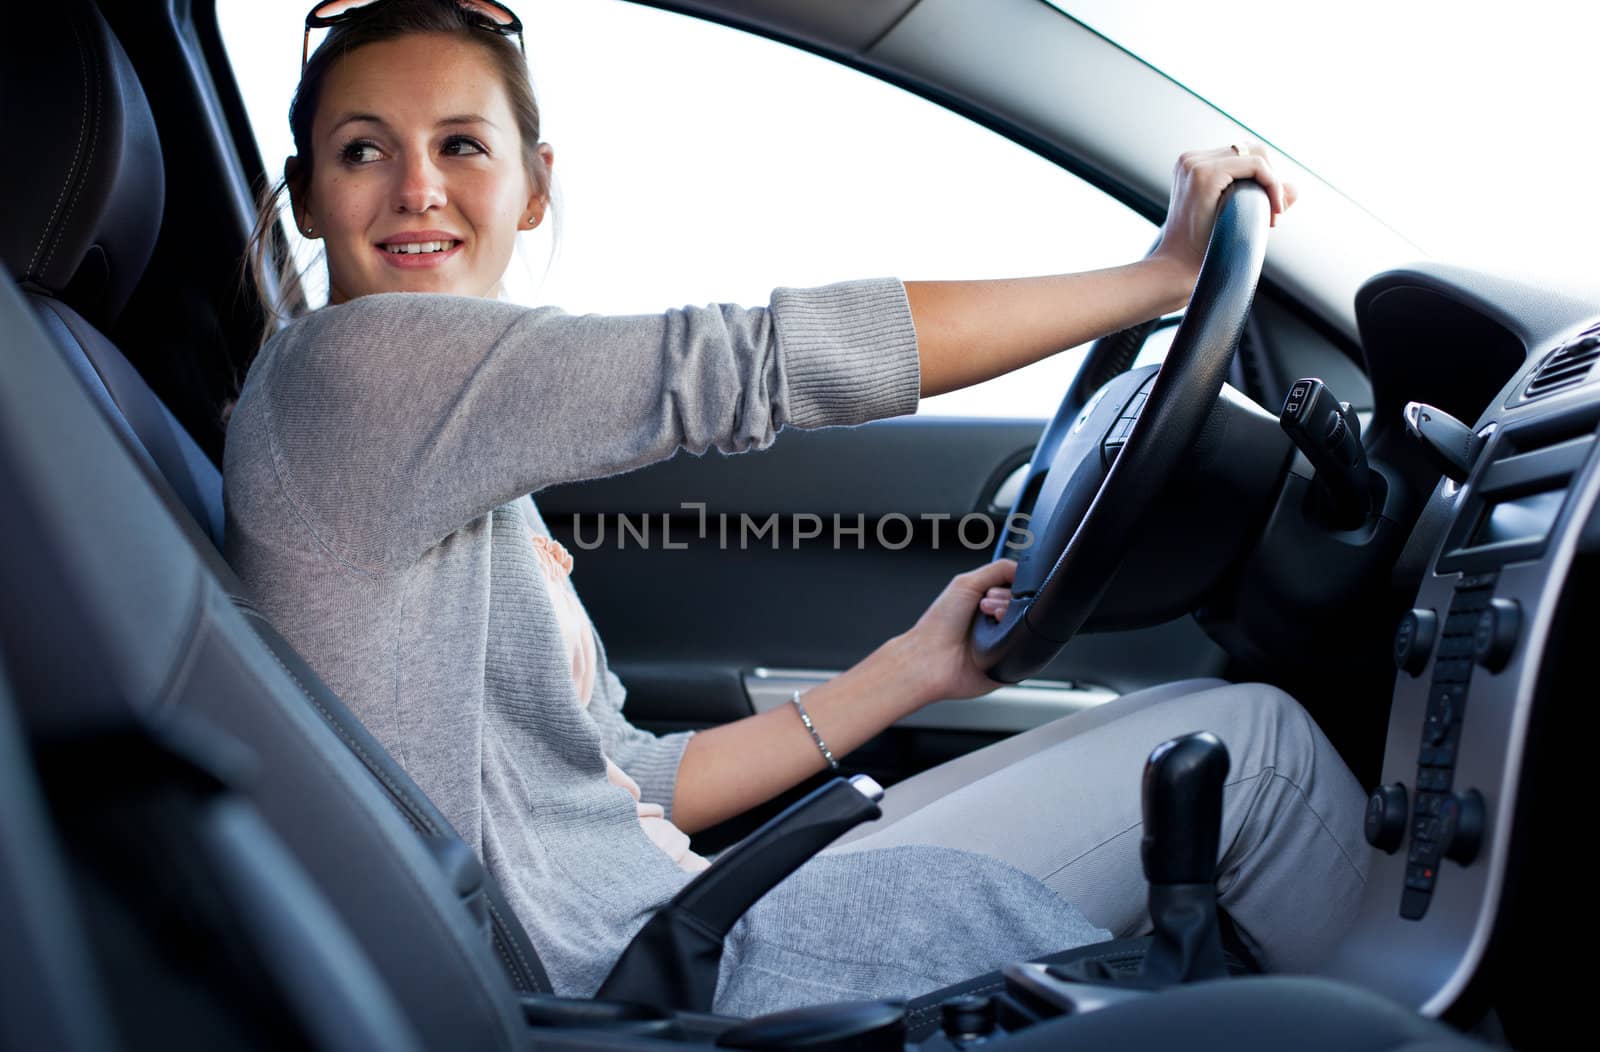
x=310 y=230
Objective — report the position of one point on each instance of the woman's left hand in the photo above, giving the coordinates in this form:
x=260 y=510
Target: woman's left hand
x=1198 y=179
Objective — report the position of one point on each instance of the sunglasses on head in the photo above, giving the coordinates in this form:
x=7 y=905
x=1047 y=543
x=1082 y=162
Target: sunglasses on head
x=492 y=16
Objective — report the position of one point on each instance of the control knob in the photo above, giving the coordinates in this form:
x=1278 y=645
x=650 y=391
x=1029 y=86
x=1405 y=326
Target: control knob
x=1496 y=634
x=1461 y=826
x=1386 y=817
x=1413 y=640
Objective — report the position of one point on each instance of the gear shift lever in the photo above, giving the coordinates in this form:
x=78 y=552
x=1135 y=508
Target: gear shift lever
x=1182 y=796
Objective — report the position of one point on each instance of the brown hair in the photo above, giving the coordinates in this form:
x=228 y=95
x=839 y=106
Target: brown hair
x=271 y=267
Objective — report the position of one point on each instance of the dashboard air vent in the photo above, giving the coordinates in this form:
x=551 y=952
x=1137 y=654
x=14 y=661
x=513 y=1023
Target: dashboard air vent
x=1567 y=365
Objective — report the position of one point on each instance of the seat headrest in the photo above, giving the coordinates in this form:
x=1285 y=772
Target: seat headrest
x=84 y=189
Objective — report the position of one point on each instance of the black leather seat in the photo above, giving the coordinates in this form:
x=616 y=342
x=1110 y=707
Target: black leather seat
x=82 y=219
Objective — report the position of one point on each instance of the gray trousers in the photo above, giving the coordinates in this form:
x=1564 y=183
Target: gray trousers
x=1062 y=804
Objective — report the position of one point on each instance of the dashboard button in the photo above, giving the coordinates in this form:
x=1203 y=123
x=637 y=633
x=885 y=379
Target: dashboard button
x=1414 y=903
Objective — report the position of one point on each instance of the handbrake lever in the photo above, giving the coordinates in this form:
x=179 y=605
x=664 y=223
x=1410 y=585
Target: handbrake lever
x=672 y=963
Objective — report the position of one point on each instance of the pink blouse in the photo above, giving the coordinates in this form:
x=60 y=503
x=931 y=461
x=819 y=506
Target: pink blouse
x=577 y=637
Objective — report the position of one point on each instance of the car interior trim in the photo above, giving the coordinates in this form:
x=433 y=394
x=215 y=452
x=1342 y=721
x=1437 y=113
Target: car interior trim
x=1009 y=710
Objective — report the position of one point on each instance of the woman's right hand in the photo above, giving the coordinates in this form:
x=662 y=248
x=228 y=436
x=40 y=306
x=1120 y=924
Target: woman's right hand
x=939 y=641
x=994 y=603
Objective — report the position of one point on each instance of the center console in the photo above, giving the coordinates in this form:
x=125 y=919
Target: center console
x=1521 y=487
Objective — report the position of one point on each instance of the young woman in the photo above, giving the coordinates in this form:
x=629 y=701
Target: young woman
x=377 y=474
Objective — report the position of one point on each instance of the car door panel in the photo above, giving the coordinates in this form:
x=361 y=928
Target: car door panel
x=691 y=600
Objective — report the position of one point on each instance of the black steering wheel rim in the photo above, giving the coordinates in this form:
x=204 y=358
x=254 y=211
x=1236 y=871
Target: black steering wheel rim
x=1083 y=556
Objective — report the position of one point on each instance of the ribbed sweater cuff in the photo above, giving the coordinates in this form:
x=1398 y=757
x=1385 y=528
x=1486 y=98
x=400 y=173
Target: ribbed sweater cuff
x=849 y=352
x=655 y=768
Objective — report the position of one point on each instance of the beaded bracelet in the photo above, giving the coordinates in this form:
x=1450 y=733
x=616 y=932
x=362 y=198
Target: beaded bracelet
x=805 y=718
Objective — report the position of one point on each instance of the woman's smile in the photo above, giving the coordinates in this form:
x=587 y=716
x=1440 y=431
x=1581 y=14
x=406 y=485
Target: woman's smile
x=419 y=249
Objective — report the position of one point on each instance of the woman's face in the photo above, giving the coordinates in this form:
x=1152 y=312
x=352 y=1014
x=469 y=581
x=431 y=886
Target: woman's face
x=419 y=183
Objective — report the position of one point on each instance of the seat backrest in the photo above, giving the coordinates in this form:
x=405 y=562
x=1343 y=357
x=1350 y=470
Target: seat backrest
x=128 y=855
x=108 y=494
x=107 y=606
x=83 y=216
x=51 y=996
x=147 y=427
x=110 y=204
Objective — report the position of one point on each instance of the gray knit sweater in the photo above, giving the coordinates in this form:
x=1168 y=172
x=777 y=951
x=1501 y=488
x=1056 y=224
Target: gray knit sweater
x=376 y=483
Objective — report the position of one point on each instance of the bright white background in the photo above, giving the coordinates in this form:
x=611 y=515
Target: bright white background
x=696 y=164
x=1467 y=125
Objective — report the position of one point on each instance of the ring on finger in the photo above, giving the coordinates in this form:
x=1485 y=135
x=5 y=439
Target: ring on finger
x=1240 y=150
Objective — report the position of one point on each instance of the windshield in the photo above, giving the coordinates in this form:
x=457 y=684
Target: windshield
x=1465 y=125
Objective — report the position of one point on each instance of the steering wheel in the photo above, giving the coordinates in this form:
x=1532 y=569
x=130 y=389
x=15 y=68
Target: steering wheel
x=1105 y=458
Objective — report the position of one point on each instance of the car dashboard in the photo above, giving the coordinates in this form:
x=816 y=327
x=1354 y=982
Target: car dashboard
x=1492 y=556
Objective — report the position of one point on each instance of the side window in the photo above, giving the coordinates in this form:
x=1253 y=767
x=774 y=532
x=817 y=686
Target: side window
x=696 y=163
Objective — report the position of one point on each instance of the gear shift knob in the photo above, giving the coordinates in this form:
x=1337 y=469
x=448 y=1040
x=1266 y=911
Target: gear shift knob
x=1182 y=796
x=1182 y=828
